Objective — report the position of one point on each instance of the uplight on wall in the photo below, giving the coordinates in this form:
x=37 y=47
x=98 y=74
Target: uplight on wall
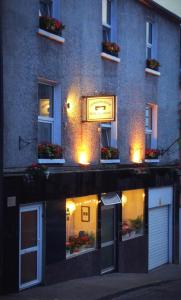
x=135 y=153
x=124 y=200
x=83 y=160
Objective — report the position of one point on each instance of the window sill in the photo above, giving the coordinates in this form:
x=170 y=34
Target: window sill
x=68 y=256
x=51 y=36
x=51 y=161
x=156 y=160
x=110 y=161
x=153 y=72
x=131 y=236
x=110 y=57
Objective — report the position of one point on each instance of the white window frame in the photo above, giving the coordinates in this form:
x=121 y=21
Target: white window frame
x=113 y=17
x=153 y=45
x=56 y=119
x=154 y=122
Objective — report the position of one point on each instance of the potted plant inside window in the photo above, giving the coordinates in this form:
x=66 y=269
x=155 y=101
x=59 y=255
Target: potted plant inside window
x=109 y=153
x=111 y=48
x=48 y=152
x=153 y=64
x=137 y=224
x=51 y=25
x=152 y=153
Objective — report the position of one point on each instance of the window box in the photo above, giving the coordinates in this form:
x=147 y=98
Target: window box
x=50 y=153
x=51 y=161
x=153 y=160
x=51 y=36
x=152 y=154
x=110 y=51
x=110 y=57
x=152 y=67
x=109 y=154
x=153 y=72
x=110 y=161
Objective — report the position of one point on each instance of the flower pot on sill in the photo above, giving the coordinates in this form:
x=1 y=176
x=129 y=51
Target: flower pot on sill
x=110 y=52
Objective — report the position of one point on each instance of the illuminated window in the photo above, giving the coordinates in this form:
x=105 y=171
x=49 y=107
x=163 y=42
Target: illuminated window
x=81 y=224
x=49 y=116
x=106 y=135
x=151 y=126
x=132 y=213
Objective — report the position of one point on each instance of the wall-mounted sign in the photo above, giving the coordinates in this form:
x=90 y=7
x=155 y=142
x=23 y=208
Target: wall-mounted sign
x=99 y=109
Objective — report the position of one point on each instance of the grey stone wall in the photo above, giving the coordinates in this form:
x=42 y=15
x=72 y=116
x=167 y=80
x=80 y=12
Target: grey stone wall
x=79 y=68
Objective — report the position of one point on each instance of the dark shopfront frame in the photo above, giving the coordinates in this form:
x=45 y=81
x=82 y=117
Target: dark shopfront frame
x=53 y=193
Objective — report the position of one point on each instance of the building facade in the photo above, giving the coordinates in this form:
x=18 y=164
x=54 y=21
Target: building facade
x=96 y=105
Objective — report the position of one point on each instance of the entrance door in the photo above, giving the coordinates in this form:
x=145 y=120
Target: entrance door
x=108 y=238
x=30 y=245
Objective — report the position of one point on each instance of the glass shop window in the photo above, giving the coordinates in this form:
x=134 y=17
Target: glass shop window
x=132 y=213
x=81 y=224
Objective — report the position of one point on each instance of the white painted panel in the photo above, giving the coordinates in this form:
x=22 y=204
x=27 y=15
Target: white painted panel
x=160 y=196
x=158 y=250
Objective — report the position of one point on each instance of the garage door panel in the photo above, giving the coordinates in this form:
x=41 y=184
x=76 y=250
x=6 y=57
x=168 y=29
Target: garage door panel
x=158 y=236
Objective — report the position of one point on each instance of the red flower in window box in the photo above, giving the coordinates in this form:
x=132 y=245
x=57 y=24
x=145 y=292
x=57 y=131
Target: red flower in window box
x=51 y=25
x=50 y=151
x=109 y=153
x=152 y=153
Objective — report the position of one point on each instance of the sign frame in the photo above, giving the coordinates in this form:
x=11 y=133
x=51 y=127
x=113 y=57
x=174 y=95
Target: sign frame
x=89 y=102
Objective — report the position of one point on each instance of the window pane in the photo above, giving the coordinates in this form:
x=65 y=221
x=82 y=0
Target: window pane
x=148 y=53
x=44 y=132
x=148 y=141
x=45 y=96
x=107 y=257
x=28 y=229
x=28 y=267
x=106 y=34
x=107 y=229
x=106 y=137
x=81 y=224
x=132 y=214
x=109 y=12
x=150 y=33
x=148 y=117
x=46 y=8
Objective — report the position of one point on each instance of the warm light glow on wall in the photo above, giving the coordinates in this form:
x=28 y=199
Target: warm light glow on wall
x=136 y=154
x=83 y=156
x=124 y=200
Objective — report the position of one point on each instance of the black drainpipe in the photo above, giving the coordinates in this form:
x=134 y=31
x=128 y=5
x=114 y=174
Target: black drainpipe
x=1 y=150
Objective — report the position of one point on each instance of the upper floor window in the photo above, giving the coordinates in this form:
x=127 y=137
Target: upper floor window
x=149 y=40
x=106 y=19
x=49 y=117
x=49 y=8
x=151 y=126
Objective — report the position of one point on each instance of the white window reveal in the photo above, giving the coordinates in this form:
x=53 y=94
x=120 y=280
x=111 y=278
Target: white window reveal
x=151 y=115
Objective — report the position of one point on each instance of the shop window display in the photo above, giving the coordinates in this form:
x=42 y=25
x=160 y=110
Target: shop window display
x=81 y=224
x=132 y=213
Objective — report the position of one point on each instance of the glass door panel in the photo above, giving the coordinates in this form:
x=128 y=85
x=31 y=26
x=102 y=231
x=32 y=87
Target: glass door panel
x=30 y=245
x=108 y=238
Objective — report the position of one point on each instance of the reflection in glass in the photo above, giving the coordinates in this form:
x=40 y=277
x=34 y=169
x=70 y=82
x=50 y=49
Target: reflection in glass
x=28 y=267
x=28 y=229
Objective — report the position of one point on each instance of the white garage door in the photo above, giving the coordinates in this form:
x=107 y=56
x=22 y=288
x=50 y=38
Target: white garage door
x=158 y=236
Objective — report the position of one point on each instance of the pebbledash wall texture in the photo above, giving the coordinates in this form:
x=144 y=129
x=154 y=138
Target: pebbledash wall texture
x=78 y=67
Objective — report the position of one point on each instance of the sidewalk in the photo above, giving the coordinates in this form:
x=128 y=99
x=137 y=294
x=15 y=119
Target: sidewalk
x=99 y=287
